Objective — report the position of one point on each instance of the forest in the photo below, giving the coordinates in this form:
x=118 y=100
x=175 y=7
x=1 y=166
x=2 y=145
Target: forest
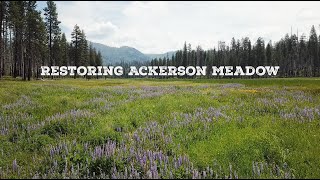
x=296 y=56
x=28 y=41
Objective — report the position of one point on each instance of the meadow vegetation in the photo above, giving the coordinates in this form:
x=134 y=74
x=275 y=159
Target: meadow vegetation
x=160 y=128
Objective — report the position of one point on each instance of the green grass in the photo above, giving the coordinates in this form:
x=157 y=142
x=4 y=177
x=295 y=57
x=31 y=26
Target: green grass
x=253 y=128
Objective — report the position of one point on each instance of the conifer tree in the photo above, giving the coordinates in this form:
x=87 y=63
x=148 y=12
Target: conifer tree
x=17 y=24
x=3 y=12
x=313 y=51
x=52 y=26
x=269 y=54
x=64 y=47
x=75 y=45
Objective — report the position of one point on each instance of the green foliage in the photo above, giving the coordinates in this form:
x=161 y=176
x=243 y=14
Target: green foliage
x=274 y=121
x=102 y=165
x=296 y=56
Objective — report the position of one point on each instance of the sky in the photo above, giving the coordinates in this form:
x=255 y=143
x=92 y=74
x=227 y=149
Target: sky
x=159 y=27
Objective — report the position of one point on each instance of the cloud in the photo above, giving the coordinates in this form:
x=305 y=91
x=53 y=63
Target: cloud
x=153 y=8
x=306 y=14
x=100 y=30
x=157 y=27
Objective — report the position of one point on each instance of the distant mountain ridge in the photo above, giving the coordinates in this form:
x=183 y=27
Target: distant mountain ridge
x=167 y=54
x=113 y=55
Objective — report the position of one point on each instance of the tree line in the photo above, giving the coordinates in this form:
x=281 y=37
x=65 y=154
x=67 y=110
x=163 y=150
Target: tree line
x=28 y=41
x=30 y=38
x=296 y=56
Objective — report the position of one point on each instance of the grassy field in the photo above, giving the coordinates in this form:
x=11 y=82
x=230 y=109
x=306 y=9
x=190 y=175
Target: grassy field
x=146 y=128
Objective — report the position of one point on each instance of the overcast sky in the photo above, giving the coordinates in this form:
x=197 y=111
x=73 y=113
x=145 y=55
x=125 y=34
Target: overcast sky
x=158 y=27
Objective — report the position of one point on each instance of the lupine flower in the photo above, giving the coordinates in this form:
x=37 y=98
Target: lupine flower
x=232 y=85
x=15 y=165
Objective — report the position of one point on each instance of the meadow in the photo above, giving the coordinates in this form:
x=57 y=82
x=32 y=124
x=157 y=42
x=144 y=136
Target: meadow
x=160 y=128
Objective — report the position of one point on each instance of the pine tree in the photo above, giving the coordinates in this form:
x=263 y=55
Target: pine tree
x=17 y=23
x=64 y=47
x=53 y=29
x=269 y=54
x=99 y=61
x=246 y=55
x=233 y=52
x=185 y=55
x=294 y=54
x=83 y=48
x=303 y=56
x=75 y=45
x=3 y=6
x=173 y=60
x=189 y=60
x=259 y=52
x=31 y=24
x=92 y=56
x=313 y=52
x=56 y=50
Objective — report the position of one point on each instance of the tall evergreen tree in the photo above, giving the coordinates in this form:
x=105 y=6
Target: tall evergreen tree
x=83 y=49
x=269 y=54
x=3 y=8
x=313 y=52
x=260 y=52
x=189 y=60
x=64 y=47
x=52 y=25
x=92 y=60
x=303 y=56
x=31 y=24
x=75 y=45
x=185 y=55
x=99 y=61
x=246 y=58
x=17 y=23
x=233 y=53
x=294 y=54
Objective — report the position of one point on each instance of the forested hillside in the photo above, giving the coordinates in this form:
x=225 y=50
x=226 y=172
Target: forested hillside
x=114 y=55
